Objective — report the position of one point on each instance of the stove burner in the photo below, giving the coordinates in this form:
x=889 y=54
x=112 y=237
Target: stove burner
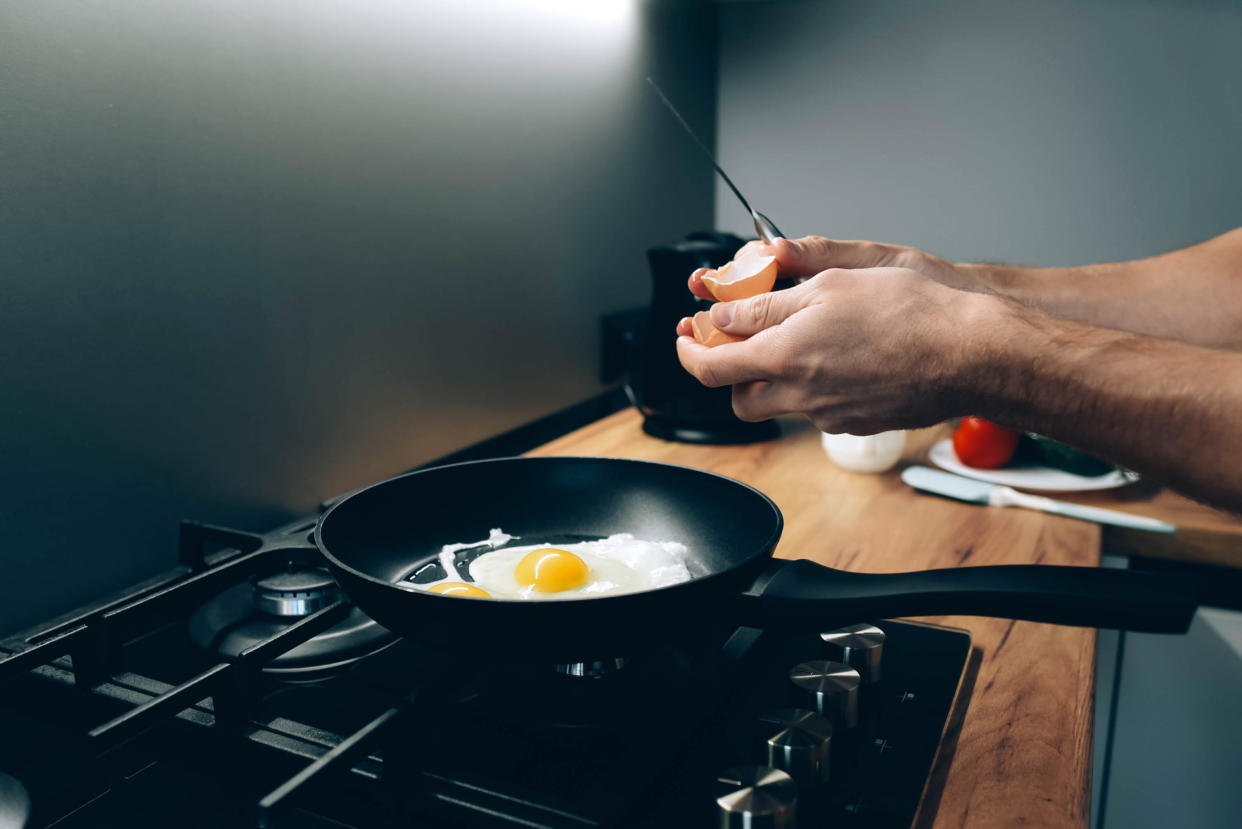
x=250 y=612
x=529 y=696
x=594 y=669
x=298 y=591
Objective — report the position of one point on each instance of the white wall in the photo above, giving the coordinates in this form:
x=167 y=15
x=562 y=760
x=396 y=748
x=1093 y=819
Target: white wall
x=254 y=253
x=1053 y=132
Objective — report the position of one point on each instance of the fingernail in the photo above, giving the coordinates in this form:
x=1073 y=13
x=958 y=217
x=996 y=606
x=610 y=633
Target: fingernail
x=722 y=314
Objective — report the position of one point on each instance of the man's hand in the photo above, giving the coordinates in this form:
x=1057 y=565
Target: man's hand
x=1193 y=295
x=859 y=351
x=800 y=259
x=877 y=338
x=869 y=350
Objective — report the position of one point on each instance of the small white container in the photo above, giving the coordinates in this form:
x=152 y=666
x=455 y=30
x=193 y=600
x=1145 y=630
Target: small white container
x=865 y=453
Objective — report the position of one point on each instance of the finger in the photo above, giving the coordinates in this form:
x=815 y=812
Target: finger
x=696 y=284
x=809 y=255
x=762 y=400
x=685 y=327
x=722 y=365
x=750 y=316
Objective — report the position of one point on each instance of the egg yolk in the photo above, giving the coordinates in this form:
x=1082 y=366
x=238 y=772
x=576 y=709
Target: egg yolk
x=551 y=570
x=460 y=588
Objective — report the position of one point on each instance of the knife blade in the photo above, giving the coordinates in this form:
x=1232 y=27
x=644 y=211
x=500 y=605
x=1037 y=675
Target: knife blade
x=925 y=479
x=767 y=231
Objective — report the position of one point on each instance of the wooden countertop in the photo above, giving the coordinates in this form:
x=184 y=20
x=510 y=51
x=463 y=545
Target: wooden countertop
x=1022 y=751
x=1204 y=535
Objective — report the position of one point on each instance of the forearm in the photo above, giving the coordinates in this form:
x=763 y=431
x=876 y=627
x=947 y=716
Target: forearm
x=1192 y=295
x=1165 y=409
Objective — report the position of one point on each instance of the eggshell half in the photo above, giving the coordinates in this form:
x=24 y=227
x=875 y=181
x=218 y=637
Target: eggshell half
x=708 y=334
x=742 y=278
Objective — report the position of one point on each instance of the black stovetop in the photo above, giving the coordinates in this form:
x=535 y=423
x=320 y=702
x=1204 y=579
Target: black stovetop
x=411 y=736
x=112 y=716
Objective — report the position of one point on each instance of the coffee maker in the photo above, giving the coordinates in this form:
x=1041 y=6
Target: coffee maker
x=674 y=405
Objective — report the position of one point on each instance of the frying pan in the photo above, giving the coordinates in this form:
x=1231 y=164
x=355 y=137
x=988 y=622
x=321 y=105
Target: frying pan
x=375 y=538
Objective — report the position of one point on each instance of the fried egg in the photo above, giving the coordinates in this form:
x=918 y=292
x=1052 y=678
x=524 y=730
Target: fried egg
x=613 y=565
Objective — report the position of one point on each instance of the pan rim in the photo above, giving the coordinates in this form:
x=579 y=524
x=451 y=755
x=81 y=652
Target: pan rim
x=769 y=545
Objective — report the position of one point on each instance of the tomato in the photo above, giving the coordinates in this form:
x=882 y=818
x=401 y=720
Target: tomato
x=984 y=445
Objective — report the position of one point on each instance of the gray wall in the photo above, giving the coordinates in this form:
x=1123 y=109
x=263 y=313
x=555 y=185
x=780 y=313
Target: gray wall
x=255 y=254
x=1178 y=743
x=1043 y=133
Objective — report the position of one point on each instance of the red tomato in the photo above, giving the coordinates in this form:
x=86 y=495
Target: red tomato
x=984 y=445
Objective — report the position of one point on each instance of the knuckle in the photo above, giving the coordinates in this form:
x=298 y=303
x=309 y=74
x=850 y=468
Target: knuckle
x=786 y=365
x=708 y=375
x=757 y=310
x=822 y=279
x=750 y=401
x=801 y=398
x=819 y=245
x=743 y=407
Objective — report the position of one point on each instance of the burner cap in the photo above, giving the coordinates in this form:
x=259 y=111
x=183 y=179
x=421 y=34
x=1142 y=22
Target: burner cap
x=297 y=591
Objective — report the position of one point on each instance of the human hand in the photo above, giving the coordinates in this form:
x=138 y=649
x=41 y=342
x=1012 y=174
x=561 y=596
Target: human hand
x=860 y=351
x=801 y=259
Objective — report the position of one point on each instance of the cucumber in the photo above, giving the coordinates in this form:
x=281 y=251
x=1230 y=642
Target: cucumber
x=1049 y=452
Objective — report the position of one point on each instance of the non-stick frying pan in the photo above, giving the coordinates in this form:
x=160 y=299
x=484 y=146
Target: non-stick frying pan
x=375 y=538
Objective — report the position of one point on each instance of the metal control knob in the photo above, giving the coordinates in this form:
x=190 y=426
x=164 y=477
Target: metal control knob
x=799 y=742
x=830 y=688
x=14 y=803
x=592 y=669
x=859 y=646
x=756 y=797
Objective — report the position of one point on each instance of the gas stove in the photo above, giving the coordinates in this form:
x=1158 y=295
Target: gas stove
x=241 y=688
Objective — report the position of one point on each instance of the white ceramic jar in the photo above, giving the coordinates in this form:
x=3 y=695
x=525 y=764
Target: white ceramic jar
x=865 y=453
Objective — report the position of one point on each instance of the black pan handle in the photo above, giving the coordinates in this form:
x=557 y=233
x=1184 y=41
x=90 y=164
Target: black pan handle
x=805 y=594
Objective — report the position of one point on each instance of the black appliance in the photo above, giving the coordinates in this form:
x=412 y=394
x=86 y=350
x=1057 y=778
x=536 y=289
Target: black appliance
x=130 y=712
x=674 y=405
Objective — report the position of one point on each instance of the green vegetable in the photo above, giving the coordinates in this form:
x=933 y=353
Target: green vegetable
x=1048 y=452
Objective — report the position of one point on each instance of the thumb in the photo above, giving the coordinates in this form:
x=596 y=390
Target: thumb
x=811 y=254
x=750 y=316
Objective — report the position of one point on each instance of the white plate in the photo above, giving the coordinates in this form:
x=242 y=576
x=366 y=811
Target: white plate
x=1028 y=475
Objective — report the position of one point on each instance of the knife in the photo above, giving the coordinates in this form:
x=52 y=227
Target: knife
x=763 y=225
x=979 y=492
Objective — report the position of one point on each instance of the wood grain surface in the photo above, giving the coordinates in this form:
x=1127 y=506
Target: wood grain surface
x=1204 y=535
x=1021 y=751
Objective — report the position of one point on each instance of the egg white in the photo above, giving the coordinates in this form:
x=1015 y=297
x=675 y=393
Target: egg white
x=618 y=564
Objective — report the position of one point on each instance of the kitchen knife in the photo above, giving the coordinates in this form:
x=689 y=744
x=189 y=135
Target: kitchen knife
x=763 y=225
x=980 y=492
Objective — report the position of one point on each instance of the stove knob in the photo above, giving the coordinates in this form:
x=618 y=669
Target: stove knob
x=756 y=797
x=798 y=742
x=859 y=646
x=831 y=688
x=14 y=803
